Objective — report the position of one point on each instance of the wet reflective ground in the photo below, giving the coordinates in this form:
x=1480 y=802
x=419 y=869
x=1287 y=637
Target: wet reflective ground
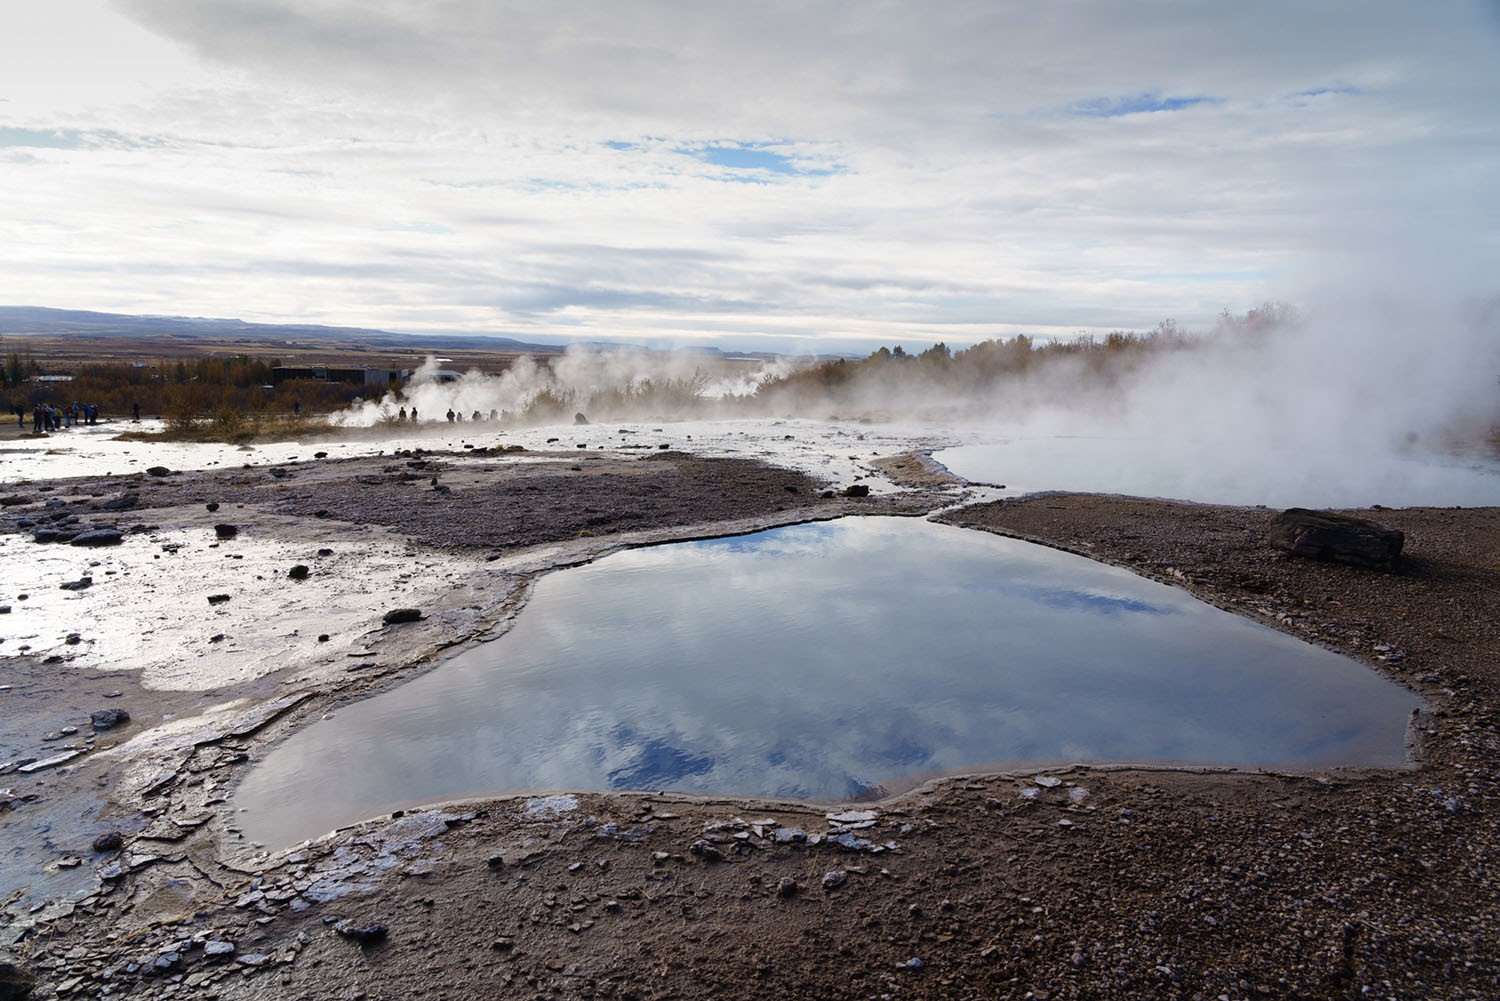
x=817 y=660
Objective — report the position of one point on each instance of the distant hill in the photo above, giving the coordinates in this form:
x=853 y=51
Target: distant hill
x=41 y=321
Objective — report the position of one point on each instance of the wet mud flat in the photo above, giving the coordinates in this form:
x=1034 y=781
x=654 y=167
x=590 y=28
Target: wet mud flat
x=1074 y=883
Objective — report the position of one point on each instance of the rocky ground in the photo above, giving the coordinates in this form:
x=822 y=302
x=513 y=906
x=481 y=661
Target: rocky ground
x=1077 y=883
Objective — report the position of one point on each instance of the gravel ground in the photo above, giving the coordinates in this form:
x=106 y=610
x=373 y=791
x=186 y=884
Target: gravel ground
x=1082 y=883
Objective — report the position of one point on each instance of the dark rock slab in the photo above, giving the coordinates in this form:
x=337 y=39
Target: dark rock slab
x=298 y=572
x=1323 y=535
x=16 y=981
x=226 y=531
x=857 y=490
x=98 y=537
x=158 y=471
x=124 y=502
x=398 y=615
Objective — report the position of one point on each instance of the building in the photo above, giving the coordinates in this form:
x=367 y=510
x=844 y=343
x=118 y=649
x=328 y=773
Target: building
x=363 y=376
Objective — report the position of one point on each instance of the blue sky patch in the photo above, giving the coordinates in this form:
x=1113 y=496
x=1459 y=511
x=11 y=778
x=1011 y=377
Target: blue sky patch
x=41 y=138
x=1134 y=104
x=757 y=157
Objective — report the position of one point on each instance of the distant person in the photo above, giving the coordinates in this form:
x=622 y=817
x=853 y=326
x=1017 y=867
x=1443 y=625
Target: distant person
x=476 y=416
x=450 y=415
x=135 y=412
x=414 y=415
x=494 y=414
x=36 y=419
x=402 y=416
x=20 y=409
x=296 y=408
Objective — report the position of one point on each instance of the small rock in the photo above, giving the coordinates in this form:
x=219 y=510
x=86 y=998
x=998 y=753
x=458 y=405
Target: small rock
x=857 y=490
x=325 y=552
x=833 y=880
x=786 y=887
x=366 y=934
x=217 y=947
x=298 y=572
x=158 y=471
x=322 y=637
x=398 y=615
x=212 y=505
x=82 y=583
x=226 y=531
x=106 y=718
x=217 y=599
x=706 y=851
x=580 y=419
x=109 y=842
x=1048 y=781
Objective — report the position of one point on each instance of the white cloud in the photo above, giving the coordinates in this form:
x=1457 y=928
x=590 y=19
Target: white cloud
x=951 y=170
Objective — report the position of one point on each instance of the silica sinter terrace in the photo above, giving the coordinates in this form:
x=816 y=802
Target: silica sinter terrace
x=818 y=660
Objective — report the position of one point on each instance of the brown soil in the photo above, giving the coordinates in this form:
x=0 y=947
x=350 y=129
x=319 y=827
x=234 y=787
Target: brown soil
x=1152 y=884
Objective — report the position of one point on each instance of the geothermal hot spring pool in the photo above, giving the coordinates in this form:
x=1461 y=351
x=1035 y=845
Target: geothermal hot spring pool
x=821 y=661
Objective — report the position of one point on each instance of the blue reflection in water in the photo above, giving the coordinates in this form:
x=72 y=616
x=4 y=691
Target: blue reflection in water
x=818 y=660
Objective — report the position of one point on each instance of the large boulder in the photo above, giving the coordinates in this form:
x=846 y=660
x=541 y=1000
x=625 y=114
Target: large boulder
x=1323 y=535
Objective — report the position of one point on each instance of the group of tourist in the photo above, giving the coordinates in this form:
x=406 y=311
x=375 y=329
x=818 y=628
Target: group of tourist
x=52 y=417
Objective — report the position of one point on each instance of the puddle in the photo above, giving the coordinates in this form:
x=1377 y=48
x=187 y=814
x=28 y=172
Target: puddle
x=816 y=661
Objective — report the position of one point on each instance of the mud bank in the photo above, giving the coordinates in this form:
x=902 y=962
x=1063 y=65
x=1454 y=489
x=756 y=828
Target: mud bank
x=1076 y=883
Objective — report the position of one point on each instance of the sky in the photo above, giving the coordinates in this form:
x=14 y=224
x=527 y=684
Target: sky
x=790 y=175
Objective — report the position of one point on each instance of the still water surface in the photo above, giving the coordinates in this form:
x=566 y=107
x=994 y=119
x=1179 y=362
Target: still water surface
x=819 y=660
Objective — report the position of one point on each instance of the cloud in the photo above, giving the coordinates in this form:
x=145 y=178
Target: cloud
x=955 y=167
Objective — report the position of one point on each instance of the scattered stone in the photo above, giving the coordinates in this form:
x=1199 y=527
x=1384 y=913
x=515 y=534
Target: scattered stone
x=109 y=842
x=322 y=637
x=857 y=490
x=80 y=584
x=1326 y=536
x=226 y=531
x=1047 y=781
x=73 y=639
x=833 y=880
x=158 y=471
x=212 y=505
x=325 y=552
x=254 y=959
x=397 y=616
x=106 y=718
x=217 y=599
x=124 y=502
x=217 y=947
x=791 y=836
x=580 y=419
x=298 y=572
x=320 y=455
x=786 y=887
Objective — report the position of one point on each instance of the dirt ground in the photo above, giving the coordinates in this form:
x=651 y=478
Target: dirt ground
x=1081 y=883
